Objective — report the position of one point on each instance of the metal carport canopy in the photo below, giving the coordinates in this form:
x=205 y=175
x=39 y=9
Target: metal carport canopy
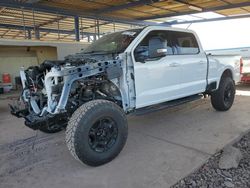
x=100 y=15
x=133 y=11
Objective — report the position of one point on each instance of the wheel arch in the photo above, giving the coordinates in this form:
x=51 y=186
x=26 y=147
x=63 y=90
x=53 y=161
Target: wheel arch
x=127 y=93
x=115 y=91
x=227 y=73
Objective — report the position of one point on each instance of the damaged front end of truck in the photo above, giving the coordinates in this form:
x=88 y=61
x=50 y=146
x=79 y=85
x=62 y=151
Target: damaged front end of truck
x=55 y=89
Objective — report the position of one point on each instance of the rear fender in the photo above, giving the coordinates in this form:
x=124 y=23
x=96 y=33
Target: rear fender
x=221 y=66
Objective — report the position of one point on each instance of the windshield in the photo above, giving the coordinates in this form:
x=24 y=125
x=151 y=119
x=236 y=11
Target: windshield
x=113 y=43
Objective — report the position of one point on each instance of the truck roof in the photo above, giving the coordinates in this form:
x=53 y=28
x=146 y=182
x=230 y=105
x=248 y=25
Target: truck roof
x=170 y=28
x=158 y=28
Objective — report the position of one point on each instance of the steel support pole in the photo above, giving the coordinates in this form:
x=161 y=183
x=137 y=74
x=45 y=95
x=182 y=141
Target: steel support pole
x=95 y=31
x=114 y=26
x=24 y=26
x=29 y=34
x=98 y=29
x=37 y=33
x=82 y=30
x=77 y=28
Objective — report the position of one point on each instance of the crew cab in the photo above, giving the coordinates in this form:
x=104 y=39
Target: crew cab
x=126 y=72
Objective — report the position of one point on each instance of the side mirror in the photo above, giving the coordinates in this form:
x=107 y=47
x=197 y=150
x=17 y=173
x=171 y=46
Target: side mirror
x=157 y=47
x=162 y=51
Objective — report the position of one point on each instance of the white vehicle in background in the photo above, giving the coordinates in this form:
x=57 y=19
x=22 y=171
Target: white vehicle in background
x=122 y=73
x=245 y=63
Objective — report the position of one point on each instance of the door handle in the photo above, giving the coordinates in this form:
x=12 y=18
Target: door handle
x=174 y=64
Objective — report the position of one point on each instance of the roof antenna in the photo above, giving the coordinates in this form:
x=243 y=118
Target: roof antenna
x=189 y=25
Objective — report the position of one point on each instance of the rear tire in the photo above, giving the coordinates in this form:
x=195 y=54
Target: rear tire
x=222 y=99
x=97 y=132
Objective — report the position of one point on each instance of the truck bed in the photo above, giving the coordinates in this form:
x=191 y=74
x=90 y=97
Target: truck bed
x=244 y=53
x=217 y=63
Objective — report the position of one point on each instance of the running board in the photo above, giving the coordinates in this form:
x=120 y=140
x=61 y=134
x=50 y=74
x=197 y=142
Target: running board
x=166 y=105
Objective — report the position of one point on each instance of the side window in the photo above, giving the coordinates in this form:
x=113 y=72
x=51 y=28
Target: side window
x=155 y=45
x=185 y=43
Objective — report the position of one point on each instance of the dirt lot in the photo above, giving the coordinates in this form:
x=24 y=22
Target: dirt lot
x=162 y=148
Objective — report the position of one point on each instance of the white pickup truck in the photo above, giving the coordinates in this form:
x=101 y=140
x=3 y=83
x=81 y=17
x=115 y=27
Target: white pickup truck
x=131 y=71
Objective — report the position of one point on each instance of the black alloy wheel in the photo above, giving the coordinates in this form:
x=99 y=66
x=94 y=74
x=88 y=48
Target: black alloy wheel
x=103 y=134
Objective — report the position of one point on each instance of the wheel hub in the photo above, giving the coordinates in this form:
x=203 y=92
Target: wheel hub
x=103 y=134
x=228 y=94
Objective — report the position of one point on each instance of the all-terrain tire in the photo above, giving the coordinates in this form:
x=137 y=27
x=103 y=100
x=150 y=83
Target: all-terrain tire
x=222 y=99
x=83 y=122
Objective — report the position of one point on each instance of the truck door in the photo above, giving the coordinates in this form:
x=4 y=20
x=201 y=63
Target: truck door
x=157 y=74
x=193 y=63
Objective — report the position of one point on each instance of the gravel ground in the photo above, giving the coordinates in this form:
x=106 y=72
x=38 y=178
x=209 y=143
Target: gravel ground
x=211 y=176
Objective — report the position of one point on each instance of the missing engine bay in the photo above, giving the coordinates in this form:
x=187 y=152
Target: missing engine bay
x=55 y=89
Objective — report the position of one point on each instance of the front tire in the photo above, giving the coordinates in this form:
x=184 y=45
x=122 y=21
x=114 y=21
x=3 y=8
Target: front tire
x=222 y=99
x=97 y=132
